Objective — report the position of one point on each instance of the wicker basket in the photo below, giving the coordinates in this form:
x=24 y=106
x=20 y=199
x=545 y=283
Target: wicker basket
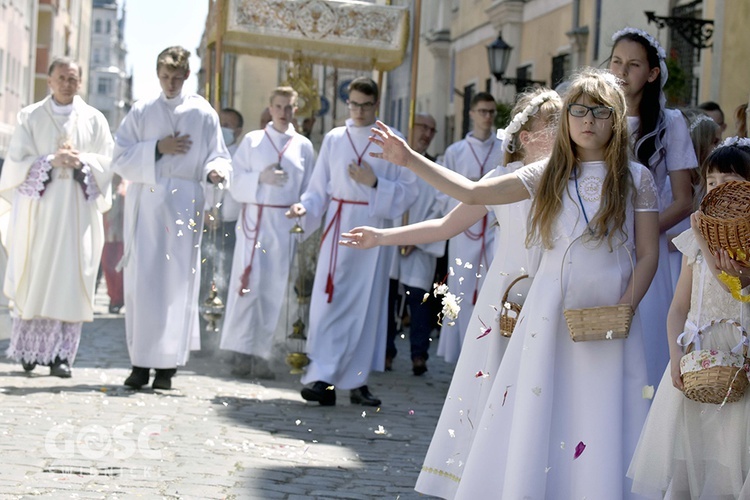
x=508 y=321
x=601 y=322
x=724 y=219
x=723 y=380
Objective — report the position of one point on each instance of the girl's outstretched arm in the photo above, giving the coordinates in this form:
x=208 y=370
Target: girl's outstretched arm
x=492 y=191
x=646 y=257
x=459 y=219
x=678 y=312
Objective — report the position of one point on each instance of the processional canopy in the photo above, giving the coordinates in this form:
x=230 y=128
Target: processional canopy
x=350 y=34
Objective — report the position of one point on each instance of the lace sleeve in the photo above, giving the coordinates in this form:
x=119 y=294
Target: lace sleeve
x=646 y=197
x=37 y=178
x=530 y=175
x=85 y=178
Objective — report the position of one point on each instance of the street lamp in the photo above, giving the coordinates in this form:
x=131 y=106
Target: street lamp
x=498 y=55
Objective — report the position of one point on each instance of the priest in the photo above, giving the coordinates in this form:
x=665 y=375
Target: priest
x=57 y=180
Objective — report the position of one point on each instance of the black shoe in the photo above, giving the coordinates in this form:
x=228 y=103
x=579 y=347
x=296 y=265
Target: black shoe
x=60 y=368
x=138 y=377
x=389 y=363
x=163 y=378
x=418 y=366
x=114 y=309
x=27 y=367
x=363 y=396
x=322 y=392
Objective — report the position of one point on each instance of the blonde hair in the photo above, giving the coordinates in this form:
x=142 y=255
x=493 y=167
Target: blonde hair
x=284 y=92
x=601 y=87
x=702 y=129
x=548 y=111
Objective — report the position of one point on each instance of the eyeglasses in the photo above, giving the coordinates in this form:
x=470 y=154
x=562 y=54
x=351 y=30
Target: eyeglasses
x=486 y=112
x=428 y=128
x=581 y=110
x=364 y=106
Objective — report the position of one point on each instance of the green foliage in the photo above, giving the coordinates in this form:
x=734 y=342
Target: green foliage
x=502 y=117
x=677 y=88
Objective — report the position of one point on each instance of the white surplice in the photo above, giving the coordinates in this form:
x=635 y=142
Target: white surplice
x=55 y=241
x=348 y=310
x=417 y=270
x=264 y=241
x=469 y=253
x=164 y=223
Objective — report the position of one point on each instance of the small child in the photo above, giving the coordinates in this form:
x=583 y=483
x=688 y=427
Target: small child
x=562 y=417
x=689 y=449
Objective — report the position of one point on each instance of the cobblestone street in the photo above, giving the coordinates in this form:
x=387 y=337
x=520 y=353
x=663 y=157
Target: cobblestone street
x=213 y=436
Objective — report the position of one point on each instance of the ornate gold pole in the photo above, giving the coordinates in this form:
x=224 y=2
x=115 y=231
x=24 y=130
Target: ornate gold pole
x=414 y=66
x=218 y=52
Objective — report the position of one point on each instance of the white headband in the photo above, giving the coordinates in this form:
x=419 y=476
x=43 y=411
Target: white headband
x=664 y=74
x=735 y=141
x=700 y=119
x=521 y=118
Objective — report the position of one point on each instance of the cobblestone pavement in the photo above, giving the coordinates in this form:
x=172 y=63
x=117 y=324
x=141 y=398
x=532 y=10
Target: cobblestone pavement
x=212 y=436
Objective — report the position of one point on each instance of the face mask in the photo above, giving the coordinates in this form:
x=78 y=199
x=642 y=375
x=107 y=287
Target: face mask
x=228 y=134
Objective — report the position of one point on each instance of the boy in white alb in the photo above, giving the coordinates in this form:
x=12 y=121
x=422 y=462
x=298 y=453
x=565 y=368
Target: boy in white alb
x=347 y=334
x=470 y=253
x=170 y=148
x=272 y=168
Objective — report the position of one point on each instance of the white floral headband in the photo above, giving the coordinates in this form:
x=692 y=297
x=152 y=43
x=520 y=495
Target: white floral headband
x=664 y=74
x=700 y=119
x=742 y=142
x=530 y=110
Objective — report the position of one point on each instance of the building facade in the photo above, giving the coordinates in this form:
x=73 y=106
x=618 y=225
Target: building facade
x=32 y=33
x=110 y=87
x=63 y=28
x=17 y=59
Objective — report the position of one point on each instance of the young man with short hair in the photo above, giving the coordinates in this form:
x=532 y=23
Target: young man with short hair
x=170 y=148
x=348 y=310
x=470 y=253
x=272 y=168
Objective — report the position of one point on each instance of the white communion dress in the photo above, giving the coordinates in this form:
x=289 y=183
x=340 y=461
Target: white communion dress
x=691 y=450
x=563 y=418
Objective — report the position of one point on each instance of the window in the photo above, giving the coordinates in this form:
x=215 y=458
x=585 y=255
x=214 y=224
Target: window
x=97 y=56
x=523 y=75
x=98 y=26
x=104 y=86
x=469 y=93
x=560 y=69
x=109 y=26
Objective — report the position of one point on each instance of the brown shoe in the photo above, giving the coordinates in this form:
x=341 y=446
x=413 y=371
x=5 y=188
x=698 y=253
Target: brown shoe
x=418 y=366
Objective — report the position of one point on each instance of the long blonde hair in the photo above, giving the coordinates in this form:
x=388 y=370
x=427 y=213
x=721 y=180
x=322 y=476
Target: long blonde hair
x=601 y=87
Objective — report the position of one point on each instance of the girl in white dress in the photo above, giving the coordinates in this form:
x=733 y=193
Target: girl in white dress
x=690 y=450
x=661 y=141
x=529 y=138
x=562 y=417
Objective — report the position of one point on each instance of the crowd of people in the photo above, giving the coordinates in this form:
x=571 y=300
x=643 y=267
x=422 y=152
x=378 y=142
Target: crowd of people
x=583 y=200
